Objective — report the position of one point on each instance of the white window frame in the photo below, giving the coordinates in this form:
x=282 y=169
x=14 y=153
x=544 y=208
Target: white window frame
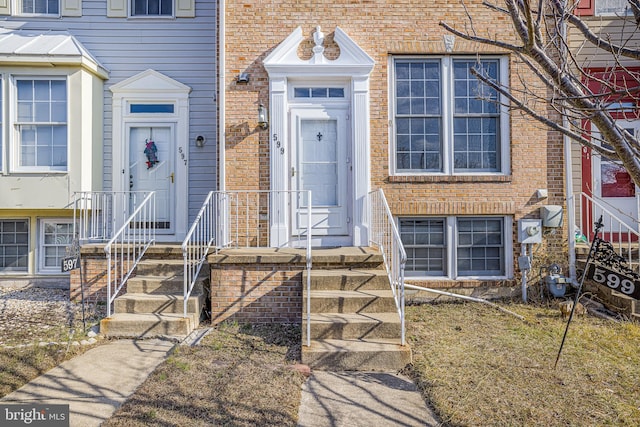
x=451 y=248
x=26 y=269
x=15 y=134
x=148 y=16
x=447 y=116
x=42 y=223
x=19 y=8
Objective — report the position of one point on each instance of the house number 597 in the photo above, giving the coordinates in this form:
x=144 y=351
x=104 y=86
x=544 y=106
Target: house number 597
x=182 y=156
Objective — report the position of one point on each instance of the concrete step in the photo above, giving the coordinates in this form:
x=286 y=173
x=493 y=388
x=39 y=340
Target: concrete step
x=368 y=301
x=148 y=325
x=347 y=280
x=341 y=257
x=161 y=267
x=164 y=303
x=158 y=285
x=356 y=355
x=352 y=326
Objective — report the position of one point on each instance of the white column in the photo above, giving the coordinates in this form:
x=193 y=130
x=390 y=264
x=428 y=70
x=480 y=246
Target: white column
x=279 y=146
x=361 y=159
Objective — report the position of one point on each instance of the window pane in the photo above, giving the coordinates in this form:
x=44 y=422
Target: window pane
x=41 y=104
x=480 y=246
x=424 y=242
x=56 y=236
x=152 y=7
x=14 y=248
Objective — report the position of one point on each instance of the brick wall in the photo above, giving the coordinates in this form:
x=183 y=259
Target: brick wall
x=252 y=293
x=382 y=29
x=93 y=273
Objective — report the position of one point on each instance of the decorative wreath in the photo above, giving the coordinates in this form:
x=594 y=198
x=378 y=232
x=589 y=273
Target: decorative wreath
x=151 y=152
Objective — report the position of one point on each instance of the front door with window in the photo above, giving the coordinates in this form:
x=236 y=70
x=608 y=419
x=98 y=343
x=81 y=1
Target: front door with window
x=320 y=163
x=151 y=168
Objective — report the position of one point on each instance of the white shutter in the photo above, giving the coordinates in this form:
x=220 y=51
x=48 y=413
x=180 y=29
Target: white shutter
x=116 y=8
x=71 y=7
x=185 y=8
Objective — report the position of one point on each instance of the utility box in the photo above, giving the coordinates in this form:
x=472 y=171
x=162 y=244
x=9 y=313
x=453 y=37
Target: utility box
x=530 y=231
x=551 y=216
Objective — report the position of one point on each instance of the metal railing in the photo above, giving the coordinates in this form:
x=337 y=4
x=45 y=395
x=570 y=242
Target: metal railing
x=99 y=214
x=616 y=230
x=127 y=246
x=385 y=235
x=247 y=219
x=262 y=218
x=197 y=243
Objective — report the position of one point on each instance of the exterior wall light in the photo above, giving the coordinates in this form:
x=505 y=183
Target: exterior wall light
x=200 y=141
x=263 y=122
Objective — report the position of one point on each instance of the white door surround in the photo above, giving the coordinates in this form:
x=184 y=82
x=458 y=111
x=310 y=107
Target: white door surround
x=352 y=67
x=151 y=99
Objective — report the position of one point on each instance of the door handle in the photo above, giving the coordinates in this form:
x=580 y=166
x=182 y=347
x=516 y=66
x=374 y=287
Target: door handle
x=172 y=176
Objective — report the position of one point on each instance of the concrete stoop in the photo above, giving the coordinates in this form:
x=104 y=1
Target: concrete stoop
x=354 y=322
x=153 y=304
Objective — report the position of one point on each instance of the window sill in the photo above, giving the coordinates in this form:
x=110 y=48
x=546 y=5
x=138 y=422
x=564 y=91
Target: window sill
x=449 y=178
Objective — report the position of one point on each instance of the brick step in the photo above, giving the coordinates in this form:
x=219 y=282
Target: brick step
x=352 y=326
x=158 y=285
x=347 y=280
x=160 y=303
x=148 y=325
x=356 y=355
x=369 y=301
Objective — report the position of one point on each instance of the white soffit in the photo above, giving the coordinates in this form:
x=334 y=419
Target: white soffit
x=352 y=60
x=24 y=47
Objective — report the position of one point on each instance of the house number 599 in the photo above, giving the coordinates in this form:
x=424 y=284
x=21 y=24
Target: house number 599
x=613 y=281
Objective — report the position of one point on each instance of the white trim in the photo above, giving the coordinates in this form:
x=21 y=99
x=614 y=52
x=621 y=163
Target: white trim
x=447 y=115
x=153 y=87
x=41 y=222
x=15 y=141
x=450 y=247
x=286 y=69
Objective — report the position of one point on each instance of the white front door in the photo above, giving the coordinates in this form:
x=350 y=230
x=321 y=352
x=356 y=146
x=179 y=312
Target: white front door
x=614 y=186
x=321 y=163
x=151 y=168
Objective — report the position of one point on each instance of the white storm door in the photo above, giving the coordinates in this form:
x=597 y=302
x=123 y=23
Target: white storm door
x=321 y=165
x=146 y=176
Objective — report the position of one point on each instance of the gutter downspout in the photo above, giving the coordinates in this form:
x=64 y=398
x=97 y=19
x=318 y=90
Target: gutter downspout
x=568 y=173
x=222 y=169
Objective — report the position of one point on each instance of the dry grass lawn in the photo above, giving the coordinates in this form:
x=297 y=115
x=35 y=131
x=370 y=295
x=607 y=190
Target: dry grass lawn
x=478 y=366
x=474 y=364
x=237 y=376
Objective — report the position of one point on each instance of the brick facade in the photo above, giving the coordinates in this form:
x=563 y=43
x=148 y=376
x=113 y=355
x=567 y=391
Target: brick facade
x=252 y=293
x=383 y=29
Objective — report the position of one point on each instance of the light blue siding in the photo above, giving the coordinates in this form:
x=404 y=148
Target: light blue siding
x=183 y=49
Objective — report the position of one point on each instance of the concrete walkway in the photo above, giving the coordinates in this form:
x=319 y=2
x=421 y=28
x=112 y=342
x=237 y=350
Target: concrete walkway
x=97 y=382
x=354 y=399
